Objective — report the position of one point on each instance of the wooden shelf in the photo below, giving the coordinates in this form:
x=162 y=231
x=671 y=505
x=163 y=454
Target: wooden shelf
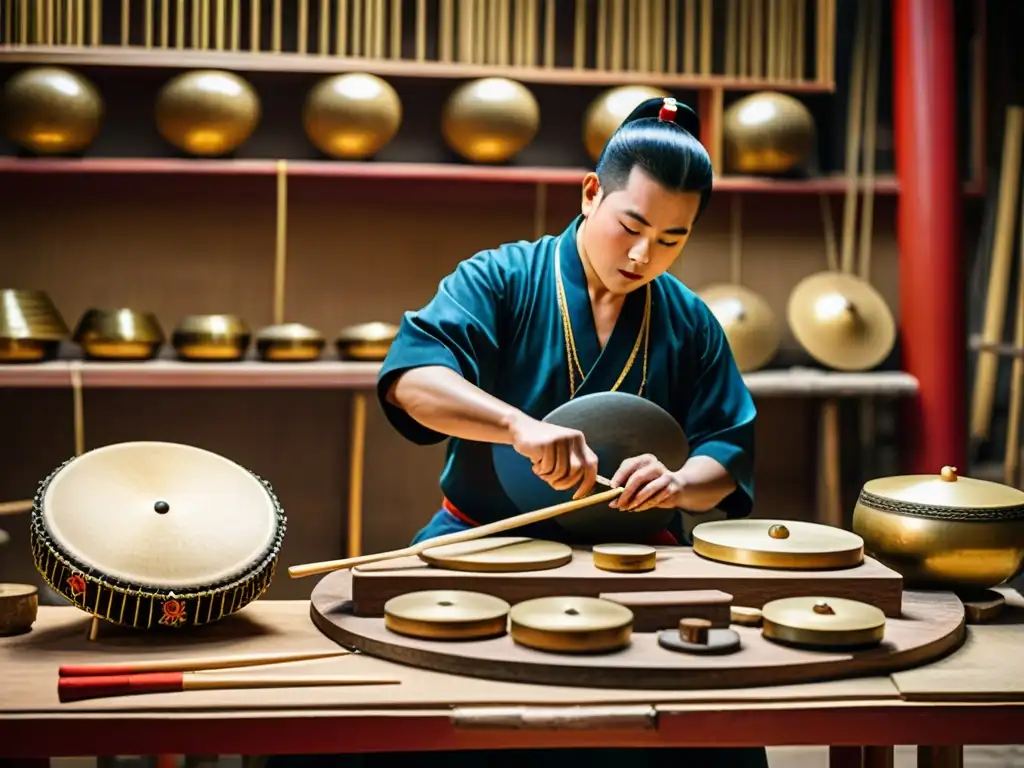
x=238 y=61
x=331 y=374
x=370 y=169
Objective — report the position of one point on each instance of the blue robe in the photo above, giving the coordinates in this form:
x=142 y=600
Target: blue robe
x=496 y=321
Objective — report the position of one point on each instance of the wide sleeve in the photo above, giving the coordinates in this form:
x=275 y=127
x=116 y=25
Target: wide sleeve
x=720 y=423
x=460 y=329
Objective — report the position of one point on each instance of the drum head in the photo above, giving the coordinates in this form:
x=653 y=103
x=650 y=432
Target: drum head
x=618 y=426
x=160 y=515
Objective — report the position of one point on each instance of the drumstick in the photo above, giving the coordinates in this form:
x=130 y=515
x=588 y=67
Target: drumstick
x=81 y=688
x=192 y=665
x=15 y=507
x=300 y=571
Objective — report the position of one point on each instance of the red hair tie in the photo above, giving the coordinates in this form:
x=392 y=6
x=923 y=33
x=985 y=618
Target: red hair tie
x=668 y=110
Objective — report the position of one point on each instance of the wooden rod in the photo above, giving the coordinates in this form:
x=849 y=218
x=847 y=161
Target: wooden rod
x=1011 y=459
x=16 y=507
x=999 y=273
x=341 y=28
x=707 y=22
x=302 y=27
x=672 y=64
x=357 y=456
x=281 y=249
x=865 y=240
x=470 y=534
x=579 y=49
x=255 y=27
x=619 y=34
x=196 y=663
x=853 y=134
x=78 y=408
x=396 y=30
x=549 y=34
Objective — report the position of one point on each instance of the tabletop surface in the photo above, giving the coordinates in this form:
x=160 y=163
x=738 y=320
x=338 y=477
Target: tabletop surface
x=987 y=668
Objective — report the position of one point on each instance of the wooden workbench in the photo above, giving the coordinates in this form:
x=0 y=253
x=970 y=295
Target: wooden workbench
x=974 y=696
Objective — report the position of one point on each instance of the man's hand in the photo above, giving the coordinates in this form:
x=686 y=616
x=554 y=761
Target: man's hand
x=648 y=483
x=560 y=456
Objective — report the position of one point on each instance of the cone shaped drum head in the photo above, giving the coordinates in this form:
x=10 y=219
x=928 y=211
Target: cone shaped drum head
x=749 y=323
x=161 y=521
x=841 y=321
x=617 y=426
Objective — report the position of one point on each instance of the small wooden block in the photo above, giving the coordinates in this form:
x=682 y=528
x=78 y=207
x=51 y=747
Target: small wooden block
x=718 y=641
x=748 y=617
x=984 y=606
x=663 y=610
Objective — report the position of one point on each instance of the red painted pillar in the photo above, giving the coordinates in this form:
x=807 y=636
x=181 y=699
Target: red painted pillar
x=931 y=261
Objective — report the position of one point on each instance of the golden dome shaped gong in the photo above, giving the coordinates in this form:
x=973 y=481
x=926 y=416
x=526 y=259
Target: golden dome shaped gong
x=767 y=132
x=490 y=120
x=749 y=323
x=51 y=110
x=606 y=113
x=352 y=116
x=207 y=112
x=841 y=321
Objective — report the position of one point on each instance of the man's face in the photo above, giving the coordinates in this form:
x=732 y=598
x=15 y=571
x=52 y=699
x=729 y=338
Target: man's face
x=634 y=234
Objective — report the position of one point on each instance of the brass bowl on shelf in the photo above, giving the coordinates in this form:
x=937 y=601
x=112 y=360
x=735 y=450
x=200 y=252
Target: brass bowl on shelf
x=289 y=342
x=211 y=338
x=119 y=334
x=366 y=341
x=31 y=327
x=943 y=531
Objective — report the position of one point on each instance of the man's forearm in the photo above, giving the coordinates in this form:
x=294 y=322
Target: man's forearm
x=442 y=400
x=705 y=484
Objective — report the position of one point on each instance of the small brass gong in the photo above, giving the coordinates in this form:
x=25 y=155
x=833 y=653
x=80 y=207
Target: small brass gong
x=490 y=120
x=605 y=114
x=446 y=614
x=51 y=110
x=352 y=116
x=822 y=622
x=786 y=544
x=207 y=112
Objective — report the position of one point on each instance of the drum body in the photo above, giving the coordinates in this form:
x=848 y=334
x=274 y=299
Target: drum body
x=155 y=535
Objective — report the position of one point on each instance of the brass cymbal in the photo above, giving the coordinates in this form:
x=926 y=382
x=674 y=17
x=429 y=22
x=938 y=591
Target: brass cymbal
x=943 y=531
x=291 y=342
x=119 y=334
x=748 y=322
x=365 y=341
x=841 y=321
x=506 y=554
x=31 y=326
x=822 y=622
x=446 y=614
x=211 y=337
x=787 y=544
x=571 y=624
x=625 y=558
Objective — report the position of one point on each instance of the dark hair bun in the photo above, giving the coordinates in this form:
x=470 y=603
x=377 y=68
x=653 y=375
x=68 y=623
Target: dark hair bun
x=685 y=117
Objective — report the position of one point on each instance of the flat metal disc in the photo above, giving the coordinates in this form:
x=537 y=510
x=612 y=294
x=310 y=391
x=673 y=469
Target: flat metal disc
x=826 y=622
x=507 y=554
x=841 y=320
x=618 y=426
x=748 y=321
x=571 y=624
x=448 y=614
x=787 y=544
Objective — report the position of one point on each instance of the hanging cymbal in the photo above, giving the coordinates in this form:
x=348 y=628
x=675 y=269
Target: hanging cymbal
x=499 y=554
x=822 y=622
x=748 y=322
x=787 y=544
x=446 y=614
x=841 y=321
x=571 y=624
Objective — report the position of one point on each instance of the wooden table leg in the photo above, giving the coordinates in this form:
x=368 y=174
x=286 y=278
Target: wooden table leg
x=845 y=757
x=830 y=487
x=940 y=757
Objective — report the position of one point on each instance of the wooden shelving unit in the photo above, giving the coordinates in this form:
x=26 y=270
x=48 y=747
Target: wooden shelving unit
x=332 y=374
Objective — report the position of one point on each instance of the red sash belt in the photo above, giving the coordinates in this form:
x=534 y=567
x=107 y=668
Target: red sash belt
x=663 y=538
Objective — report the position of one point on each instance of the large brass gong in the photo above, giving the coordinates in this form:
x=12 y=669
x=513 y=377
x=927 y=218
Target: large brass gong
x=490 y=120
x=352 y=116
x=606 y=113
x=51 y=110
x=767 y=132
x=207 y=112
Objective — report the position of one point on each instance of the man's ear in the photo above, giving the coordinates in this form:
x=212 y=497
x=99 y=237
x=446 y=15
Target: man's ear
x=591 y=193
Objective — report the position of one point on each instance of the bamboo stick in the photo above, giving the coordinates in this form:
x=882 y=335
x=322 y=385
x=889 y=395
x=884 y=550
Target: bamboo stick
x=743 y=45
x=643 y=47
x=97 y=22
x=275 y=27
x=220 y=25
x=531 y=39
x=165 y=23
x=324 y=28
x=179 y=25
x=341 y=28
x=870 y=133
x=1011 y=465
x=579 y=49
x=147 y=21
x=206 y=34
x=731 y=36
x=302 y=27
x=125 y=23
x=255 y=27
x=503 y=31
x=549 y=34
x=77 y=405
x=672 y=65
x=706 y=27
x=999 y=274
x=853 y=134
x=799 y=64
x=618 y=35
x=396 y=30
x=236 y=24
x=281 y=241
x=774 y=31
x=355 y=485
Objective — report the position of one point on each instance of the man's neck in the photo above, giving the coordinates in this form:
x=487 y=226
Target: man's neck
x=599 y=293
